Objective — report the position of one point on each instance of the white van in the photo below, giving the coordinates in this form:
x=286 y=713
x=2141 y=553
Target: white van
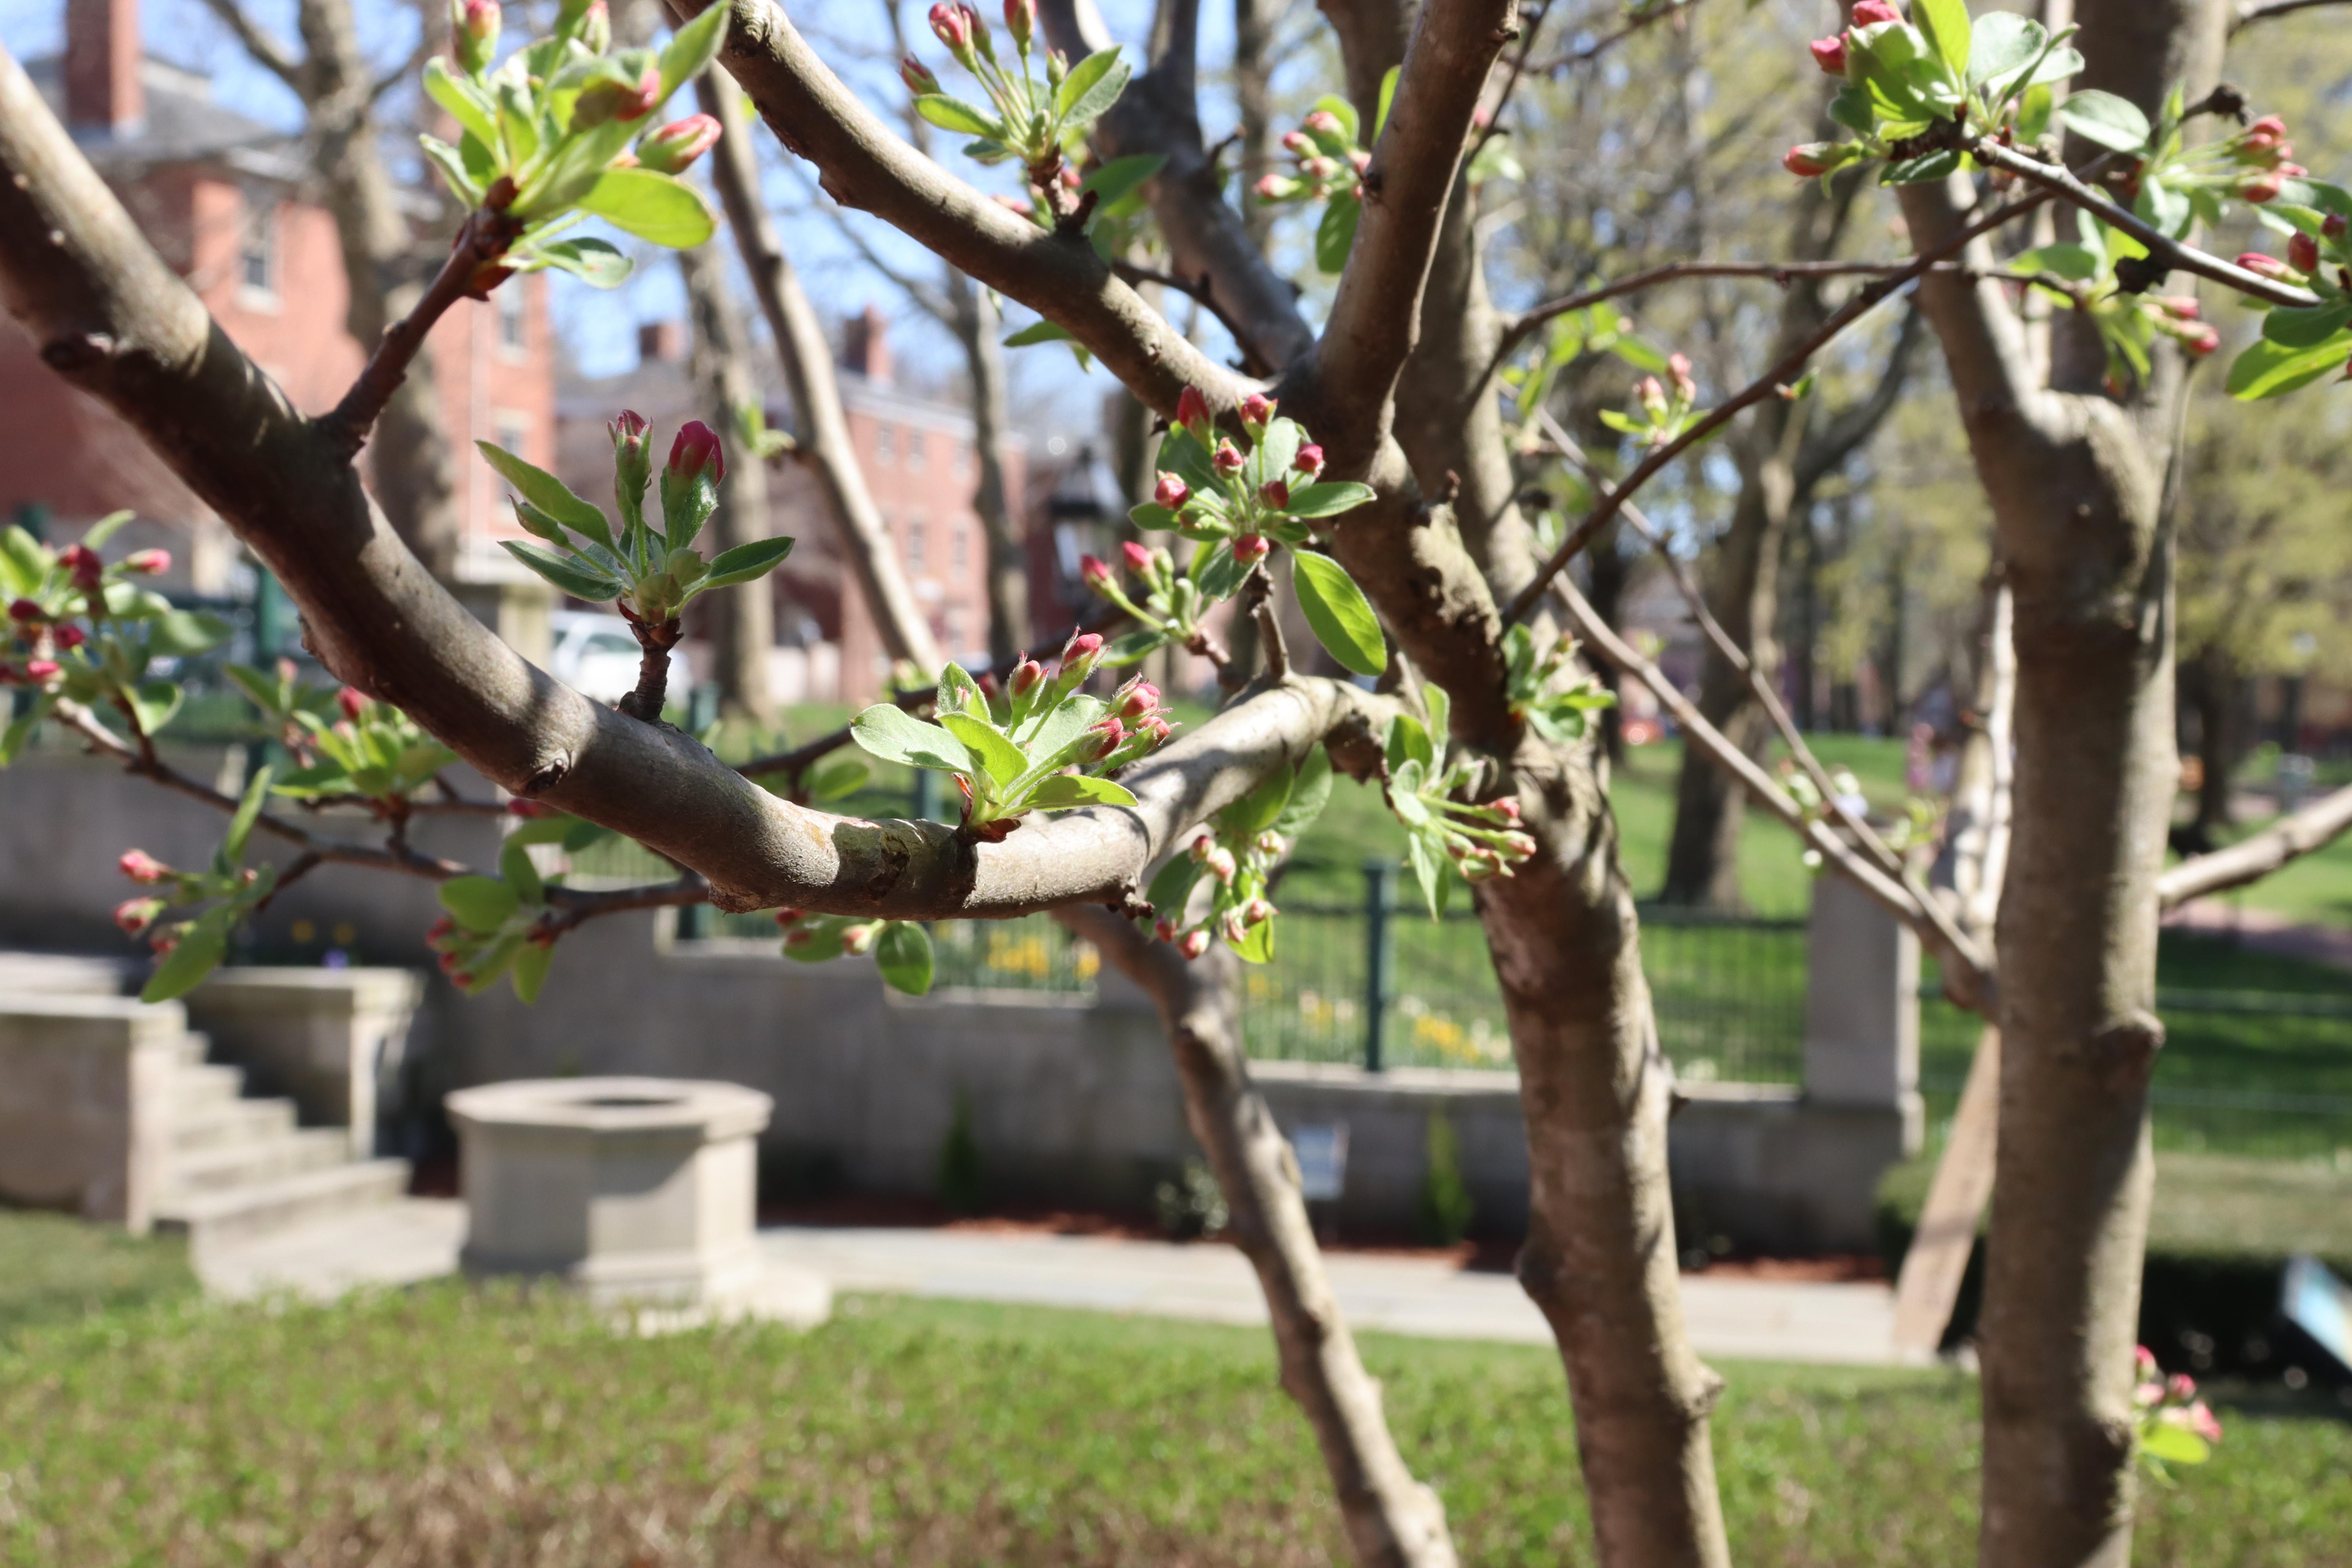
x=597 y=655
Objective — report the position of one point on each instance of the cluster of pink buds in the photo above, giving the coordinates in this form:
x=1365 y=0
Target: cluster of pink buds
x=2177 y=316
x=1835 y=54
x=1135 y=726
x=673 y=149
x=2170 y=1400
x=959 y=28
x=2264 y=154
x=82 y=563
x=1325 y=161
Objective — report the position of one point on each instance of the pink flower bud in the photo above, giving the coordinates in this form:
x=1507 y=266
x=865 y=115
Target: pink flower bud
x=675 y=146
x=1257 y=408
x=917 y=76
x=2179 y=307
x=1192 y=412
x=2264 y=187
x=352 y=703
x=2263 y=266
x=148 y=563
x=2180 y=1386
x=1025 y=677
x=1506 y=808
x=1081 y=652
x=1686 y=388
x=2332 y=225
x=1870 y=13
x=1270 y=188
x=2268 y=132
x=143 y=867
x=1652 y=397
x=2202 y=1421
x=1256 y=912
x=2303 y=253
x=1228 y=460
x=1164 y=928
x=1095 y=571
x=1308 y=462
x=1274 y=494
x=1021 y=20
x=135 y=915
x=1102 y=738
x=39 y=670
x=1171 y=491
x=859 y=939
x=1297 y=143
x=604 y=100
x=1219 y=862
x=1194 y=943
x=1135 y=700
x=1829 y=54
x=953 y=24
x=476 y=34
x=1249 y=549
x=83 y=562
x=2144 y=1361
x=695 y=451
x=1231 y=928
x=165 y=941
x=2200 y=340
x=69 y=637
x=1137 y=559
x=1155 y=728
x=1808 y=159
x=24 y=610
x=1322 y=121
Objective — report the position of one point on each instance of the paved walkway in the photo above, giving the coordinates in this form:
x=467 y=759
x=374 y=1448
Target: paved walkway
x=1849 y=1324
x=1734 y=1318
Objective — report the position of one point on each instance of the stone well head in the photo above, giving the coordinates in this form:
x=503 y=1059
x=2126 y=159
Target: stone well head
x=630 y=1188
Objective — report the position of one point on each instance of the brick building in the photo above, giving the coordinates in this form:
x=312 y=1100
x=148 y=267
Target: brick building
x=230 y=203
x=916 y=449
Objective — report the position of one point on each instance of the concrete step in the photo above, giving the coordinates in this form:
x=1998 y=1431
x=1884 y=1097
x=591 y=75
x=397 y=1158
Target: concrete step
x=203 y=1086
x=231 y=1123
x=240 y=1214
x=193 y=1049
x=65 y=975
x=245 y=1165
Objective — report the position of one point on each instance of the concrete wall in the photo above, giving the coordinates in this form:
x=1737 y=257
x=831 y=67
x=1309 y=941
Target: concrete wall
x=84 y=1113
x=331 y=1041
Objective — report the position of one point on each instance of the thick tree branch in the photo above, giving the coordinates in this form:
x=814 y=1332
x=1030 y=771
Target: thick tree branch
x=2314 y=827
x=1768 y=385
x=1375 y=316
x=862 y=163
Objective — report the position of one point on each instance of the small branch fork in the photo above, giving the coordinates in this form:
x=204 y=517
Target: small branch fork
x=655 y=641
x=1202 y=292
x=1587 y=53
x=1945 y=932
x=1258 y=600
x=1768 y=385
x=471 y=271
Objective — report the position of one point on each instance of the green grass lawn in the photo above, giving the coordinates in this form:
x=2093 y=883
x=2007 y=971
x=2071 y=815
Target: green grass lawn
x=53 y=1268
x=449 y=1426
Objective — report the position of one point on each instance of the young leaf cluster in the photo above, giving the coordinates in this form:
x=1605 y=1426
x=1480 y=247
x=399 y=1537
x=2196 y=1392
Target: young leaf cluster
x=1039 y=122
x=652 y=572
x=188 y=950
x=1217 y=889
x=1041 y=744
x=2171 y=1424
x=498 y=926
x=2301 y=345
x=1426 y=786
x=545 y=138
x=1662 y=410
x=901 y=949
x=1559 y=709
x=1235 y=509
x=1597 y=329
x=371 y=750
x=1328 y=157
x=80 y=628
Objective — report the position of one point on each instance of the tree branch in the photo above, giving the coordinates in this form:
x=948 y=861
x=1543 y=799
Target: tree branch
x=2249 y=12
x=1375 y=316
x=2313 y=828
x=267 y=52
x=1779 y=375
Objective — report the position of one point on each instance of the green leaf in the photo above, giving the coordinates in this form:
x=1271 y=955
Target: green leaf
x=1388 y=96
x=517 y=871
x=1336 y=235
x=1093 y=85
x=1328 y=499
x=2301 y=327
x=659 y=208
x=2101 y=117
x=20 y=729
x=181 y=632
x=2078 y=263
x=1258 y=811
x=1337 y=610
x=567 y=572
x=1174 y=885
x=954 y=114
x=480 y=904
x=1221 y=572
x=1127 y=647
x=1059 y=727
x=692 y=47
x=2001 y=42
x=595 y=262
x=999 y=757
x=1921 y=169
x=548 y=493
x=453 y=169
x=1309 y=792
x=823 y=944
x=895 y=735
x=248 y=812
x=746 y=561
x=468 y=103
x=1408 y=742
x=1115 y=181
x=903 y=955
x=2174 y=1444
x=531 y=960
x=2272 y=370
x=1256 y=945
x=1039 y=333
x=958 y=692
x=201 y=948
x=1428 y=870
x=839 y=778
x=1340 y=109
x=155 y=702
x=1059 y=792
x=95 y=536
x=1946 y=22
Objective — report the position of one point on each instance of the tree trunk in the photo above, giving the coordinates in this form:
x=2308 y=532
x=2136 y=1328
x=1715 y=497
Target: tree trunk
x=1392 y=1520
x=742 y=623
x=412 y=469
x=2214 y=689
x=977 y=325
x=2075 y=480
x=823 y=431
x=1252 y=99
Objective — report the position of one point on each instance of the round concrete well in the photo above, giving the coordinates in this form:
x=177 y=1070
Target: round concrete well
x=631 y=1189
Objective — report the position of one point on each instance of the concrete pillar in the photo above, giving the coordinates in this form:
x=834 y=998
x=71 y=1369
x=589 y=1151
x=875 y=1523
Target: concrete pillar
x=329 y=1039
x=85 y=1089
x=1862 y=1002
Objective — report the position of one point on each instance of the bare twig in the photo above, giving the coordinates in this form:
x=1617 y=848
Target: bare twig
x=267 y=51
x=470 y=272
x=654 y=643
x=2059 y=181
x=1765 y=385
x=2315 y=827
x=576 y=906
x=1600 y=46
x=1258 y=599
x=1203 y=290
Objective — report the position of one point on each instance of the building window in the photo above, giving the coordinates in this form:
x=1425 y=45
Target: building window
x=514 y=316
x=915 y=542
x=886 y=443
x=960 y=547
x=914 y=450
x=257 y=246
x=955 y=630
